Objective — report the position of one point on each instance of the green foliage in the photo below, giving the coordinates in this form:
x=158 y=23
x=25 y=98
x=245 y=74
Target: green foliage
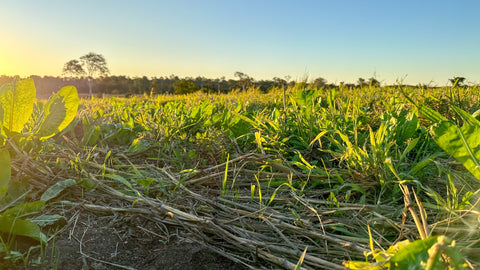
x=15 y=226
x=425 y=254
x=420 y=254
x=56 y=189
x=5 y=171
x=185 y=87
x=16 y=106
x=317 y=149
x=17 y=100
x=59 y=111
x=461 y=142
x=46 y=220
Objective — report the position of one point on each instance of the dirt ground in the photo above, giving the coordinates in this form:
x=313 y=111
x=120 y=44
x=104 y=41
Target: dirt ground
x=122 y=242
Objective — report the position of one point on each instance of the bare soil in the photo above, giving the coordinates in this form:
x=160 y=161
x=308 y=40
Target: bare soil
x=96 y=242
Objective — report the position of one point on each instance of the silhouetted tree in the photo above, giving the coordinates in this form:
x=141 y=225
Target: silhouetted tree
x=319 y=82
x=279 y=82
x=361 y=82
x=373 y=82
x=219 y=83
x=244 y=80
x=92 y=65
x=141 y=85
x=457 y=81
x=73 y=67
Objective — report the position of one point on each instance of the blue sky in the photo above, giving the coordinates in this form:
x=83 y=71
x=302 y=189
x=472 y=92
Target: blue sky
x=342 y=40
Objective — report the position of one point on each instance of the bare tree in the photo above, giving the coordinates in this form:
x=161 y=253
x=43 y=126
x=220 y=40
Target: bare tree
x=92 y=65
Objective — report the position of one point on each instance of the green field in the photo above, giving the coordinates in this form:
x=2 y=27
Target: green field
x=314 y=178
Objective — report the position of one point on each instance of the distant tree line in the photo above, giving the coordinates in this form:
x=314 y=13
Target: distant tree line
x=123 y=85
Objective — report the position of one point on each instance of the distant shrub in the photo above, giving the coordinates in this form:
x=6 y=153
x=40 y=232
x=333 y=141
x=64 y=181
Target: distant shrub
x=184 y=87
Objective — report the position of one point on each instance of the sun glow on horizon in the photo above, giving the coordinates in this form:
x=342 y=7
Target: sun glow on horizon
x=4 y=65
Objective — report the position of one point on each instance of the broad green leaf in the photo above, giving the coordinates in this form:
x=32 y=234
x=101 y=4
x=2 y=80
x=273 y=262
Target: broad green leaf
x=46 y=220
x=59 y=111
x=138 y=145
x=5 y=171
x=467 y=118
x=56 y=189
x=431 y=114
x=461 y=143
x=18 y=188
x=16 y=226
x=427 y=254
x=306 y=97
x=414 y=256
x=91 y=137
x=2 y=131
x=87 y=183
x=25 y=209
x=17 y=100
x=381 y=258
x=119 y=179
x=363 y=266
x=407 y=127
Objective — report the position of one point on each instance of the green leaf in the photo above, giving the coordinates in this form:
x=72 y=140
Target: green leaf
x=414 y=256
x=5 y=171
x=17 y=100
x=224 y=182
x=409 y=148
x=407 y=127
x=431 y=114
x=146 y=182
x=423 y=163
x=277 y=189
x=56 y=189
x=91 y=137
x=138 y=145
x=469 y=119
x=16 y=226
x=87 y=183
x=25 y=209
x=120 y=179
x=461 y=143
x=2 y=131
x=59 y=111
x=46 y=220
x=363 y=266
x=306 y=97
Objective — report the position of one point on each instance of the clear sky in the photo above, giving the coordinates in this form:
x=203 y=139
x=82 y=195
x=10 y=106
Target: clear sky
x=339 y=40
